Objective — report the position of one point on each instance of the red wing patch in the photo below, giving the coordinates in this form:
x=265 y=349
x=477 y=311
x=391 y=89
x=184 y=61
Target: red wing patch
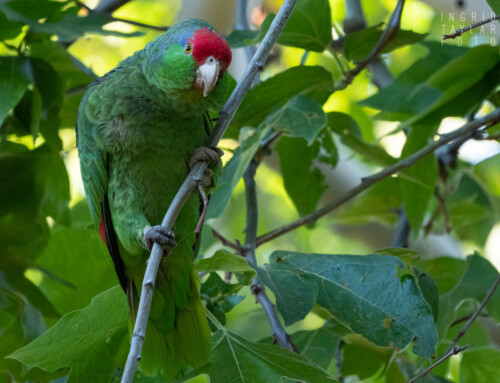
x=102 y=230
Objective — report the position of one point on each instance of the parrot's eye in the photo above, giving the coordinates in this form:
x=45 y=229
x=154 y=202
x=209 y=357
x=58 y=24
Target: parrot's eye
x=188 y=48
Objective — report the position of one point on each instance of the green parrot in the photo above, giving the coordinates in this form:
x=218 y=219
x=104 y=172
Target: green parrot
x=140 y=128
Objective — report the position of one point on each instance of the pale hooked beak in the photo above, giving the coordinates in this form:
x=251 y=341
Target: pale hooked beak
x=207 y=75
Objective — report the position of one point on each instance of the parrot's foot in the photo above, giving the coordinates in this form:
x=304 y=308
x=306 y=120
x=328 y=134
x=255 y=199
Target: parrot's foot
x=205 y=154
x=161 y=235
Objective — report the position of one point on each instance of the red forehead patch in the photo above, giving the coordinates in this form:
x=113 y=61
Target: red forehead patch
x=208 y=43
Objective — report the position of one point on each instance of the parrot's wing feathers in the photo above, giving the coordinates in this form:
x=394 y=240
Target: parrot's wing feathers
x=93 y=162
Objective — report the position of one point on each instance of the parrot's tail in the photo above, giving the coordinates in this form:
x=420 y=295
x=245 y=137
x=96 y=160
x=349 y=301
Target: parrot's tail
x=177 y=334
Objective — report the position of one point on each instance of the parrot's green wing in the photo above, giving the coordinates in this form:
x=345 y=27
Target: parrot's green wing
x=93 y=166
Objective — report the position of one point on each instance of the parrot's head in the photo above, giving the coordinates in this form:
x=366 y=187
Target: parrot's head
x=191 y=58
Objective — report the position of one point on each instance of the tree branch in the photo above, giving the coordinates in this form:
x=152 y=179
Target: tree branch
x=461 y=31
x=393 y=26
x=493 y=117
x=476 y=313
x=112 y=18
x=109 y=6
x=195 y=175
x=258 y=290
x=454 y=351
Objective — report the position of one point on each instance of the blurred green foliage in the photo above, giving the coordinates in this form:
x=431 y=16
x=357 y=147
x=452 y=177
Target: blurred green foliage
x=380 y=317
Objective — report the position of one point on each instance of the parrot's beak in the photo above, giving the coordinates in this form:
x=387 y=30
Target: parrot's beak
x=207 y=75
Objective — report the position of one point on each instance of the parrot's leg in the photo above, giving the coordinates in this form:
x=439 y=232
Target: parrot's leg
x=205 y=154
x=161 y=235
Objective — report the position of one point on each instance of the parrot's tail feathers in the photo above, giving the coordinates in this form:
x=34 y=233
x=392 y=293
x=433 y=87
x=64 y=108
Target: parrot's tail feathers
x=177 y=317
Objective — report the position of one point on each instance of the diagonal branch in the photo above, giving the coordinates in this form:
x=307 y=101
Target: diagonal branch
x=476 y=313
x=109 y=6
x=461 y=31
x=367 y=182
x=112 y=18
x=196 y=175
x=453 y=351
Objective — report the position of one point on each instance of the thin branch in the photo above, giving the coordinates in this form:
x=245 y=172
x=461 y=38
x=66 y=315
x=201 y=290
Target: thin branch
x=258 y=290
x=189 y=184
x=226 y=242
x=461 y=31
x=109 y=6
x=112 y=18
x=476 y=313
x=204 y=198
x=391 y=30
x=464 y=318
x=338 y=358
x=454 y=351
x=387 y=172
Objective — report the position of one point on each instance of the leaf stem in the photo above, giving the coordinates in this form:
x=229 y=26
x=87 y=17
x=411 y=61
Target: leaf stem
x=196 y=174
x=377 y=177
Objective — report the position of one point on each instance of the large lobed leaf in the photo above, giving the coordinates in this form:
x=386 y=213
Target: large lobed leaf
x=88 y=340
x=364 y=293
x=237 y=360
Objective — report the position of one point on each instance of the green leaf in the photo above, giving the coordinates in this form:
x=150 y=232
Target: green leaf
x=35 y=9
x=312 y=81
x=406 y=96
x=495 y=5
x=380 y=203
x=295 y=292
x=365 y=294
x=480 y=366
x=350 y=135
x=320 y=345
x=303 y=180
x=237 y=360
x=440 y=85
x=299 y=117
x=220 y=297
x=32 y=181
x=363 y=359
x=419 y=189
x=223 y=261
x=87 y=340
x=86 y=267
x=239 y=38
x=476 y=282
x=445 y=271
x=9 y=29
x=359 y=44
x=486 y=171
x=408 y=256
x=309 y=27
x=430 y=292
x=15 y=76
x=71 y=26
x=53 y=176
x=234 y=169
x=471 y=210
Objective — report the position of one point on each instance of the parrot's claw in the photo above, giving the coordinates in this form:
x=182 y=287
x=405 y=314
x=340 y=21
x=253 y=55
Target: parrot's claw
x=161 y=235
x=205 y=154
